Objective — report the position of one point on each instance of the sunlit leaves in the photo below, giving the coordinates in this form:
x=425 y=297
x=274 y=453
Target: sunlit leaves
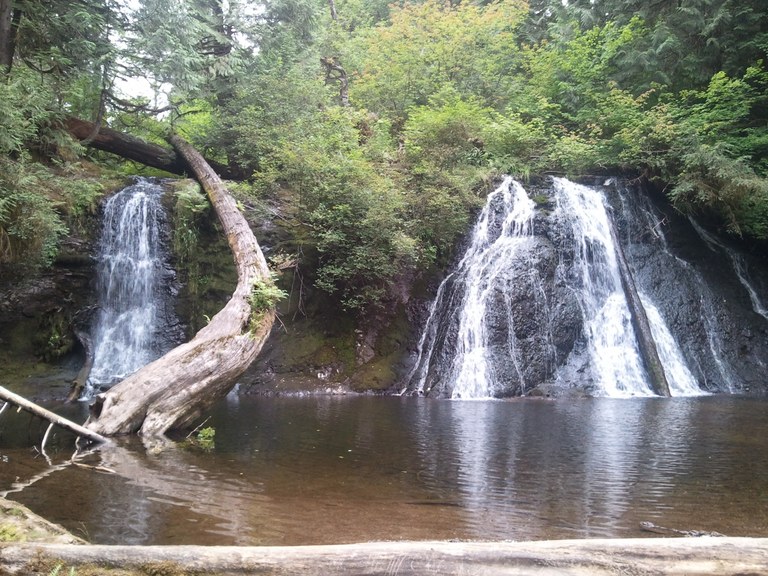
x=448 y=132
x=427 y=46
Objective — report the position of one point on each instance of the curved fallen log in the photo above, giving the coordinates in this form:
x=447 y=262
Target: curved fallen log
x=657 y=556
x=173 y=391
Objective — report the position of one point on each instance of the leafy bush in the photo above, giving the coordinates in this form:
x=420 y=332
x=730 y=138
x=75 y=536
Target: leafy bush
x=449 y=132
x=264 y=296
x=30 y=226
x=191 y=203
x=711 y=179
x=427 y=46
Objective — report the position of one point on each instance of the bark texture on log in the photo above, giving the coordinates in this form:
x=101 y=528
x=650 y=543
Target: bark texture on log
x=642 y=556
x=173 y=391
x=646 y=344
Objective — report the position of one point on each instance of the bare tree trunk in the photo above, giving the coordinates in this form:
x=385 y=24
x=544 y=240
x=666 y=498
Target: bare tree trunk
x=40 y=412
x=81 y=323
x=7 y=45
x=78 y=384
x=334 y=72
x=173 y=391
x=129 y=147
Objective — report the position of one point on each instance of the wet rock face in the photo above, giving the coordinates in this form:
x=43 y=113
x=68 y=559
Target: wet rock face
x=38 y=311
x=525 y=334
x=531 y=320
x=693 y=277
x=708 y=292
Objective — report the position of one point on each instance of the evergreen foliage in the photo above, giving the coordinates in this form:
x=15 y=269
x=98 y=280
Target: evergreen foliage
x=442 y=97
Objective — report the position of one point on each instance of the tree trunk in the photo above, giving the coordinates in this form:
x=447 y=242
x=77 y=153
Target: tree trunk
x=130 y=147
x=78 y=384
x=598 y=557
x=334 y=72
x=81 y=323
x=648 y=352
x=6 y=36
x=173 y=391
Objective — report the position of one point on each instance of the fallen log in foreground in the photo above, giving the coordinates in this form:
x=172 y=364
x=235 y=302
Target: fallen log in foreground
x=647 y=556
x=173 y=391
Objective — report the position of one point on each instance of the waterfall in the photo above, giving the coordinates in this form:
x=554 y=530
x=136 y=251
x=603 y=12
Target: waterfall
x=681 y=381
x=739 y=267
x=481 y=265
x=503 y=227
x=611 y=340
x=131 y=275
x=526 y=306
x=595 y=276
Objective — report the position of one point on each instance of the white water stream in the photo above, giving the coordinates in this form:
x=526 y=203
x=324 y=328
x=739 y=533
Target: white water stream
x=588 y=267
x=611 y=340
x=484 y=260
x=739 y=266
x=130 y=265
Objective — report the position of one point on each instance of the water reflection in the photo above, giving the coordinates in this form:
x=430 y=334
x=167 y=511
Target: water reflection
x=332 y=469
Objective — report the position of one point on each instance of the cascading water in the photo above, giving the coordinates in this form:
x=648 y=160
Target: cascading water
x=611 y=340
x=512 y=210
x=739 y=267
x=594 y=274
x=679 y=285
x=132 y=272
x=527 y=306
x=502 y=230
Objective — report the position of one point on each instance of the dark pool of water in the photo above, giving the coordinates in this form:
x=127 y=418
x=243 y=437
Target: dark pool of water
x=345 y=469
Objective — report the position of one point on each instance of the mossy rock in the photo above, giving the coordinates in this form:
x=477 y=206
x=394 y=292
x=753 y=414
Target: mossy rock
x=19 y=524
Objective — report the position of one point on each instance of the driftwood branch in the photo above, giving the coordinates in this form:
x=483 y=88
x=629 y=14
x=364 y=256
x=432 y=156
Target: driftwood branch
x=175 y=390
x=40 y=412
x=657 y=556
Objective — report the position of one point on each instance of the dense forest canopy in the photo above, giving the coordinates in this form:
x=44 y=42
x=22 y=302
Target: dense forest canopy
x=378 y=126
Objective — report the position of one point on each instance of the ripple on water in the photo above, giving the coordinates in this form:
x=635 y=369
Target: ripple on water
x=330 y=470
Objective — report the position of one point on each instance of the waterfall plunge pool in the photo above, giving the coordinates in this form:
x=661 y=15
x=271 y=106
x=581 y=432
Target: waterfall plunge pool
x=336 y=469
